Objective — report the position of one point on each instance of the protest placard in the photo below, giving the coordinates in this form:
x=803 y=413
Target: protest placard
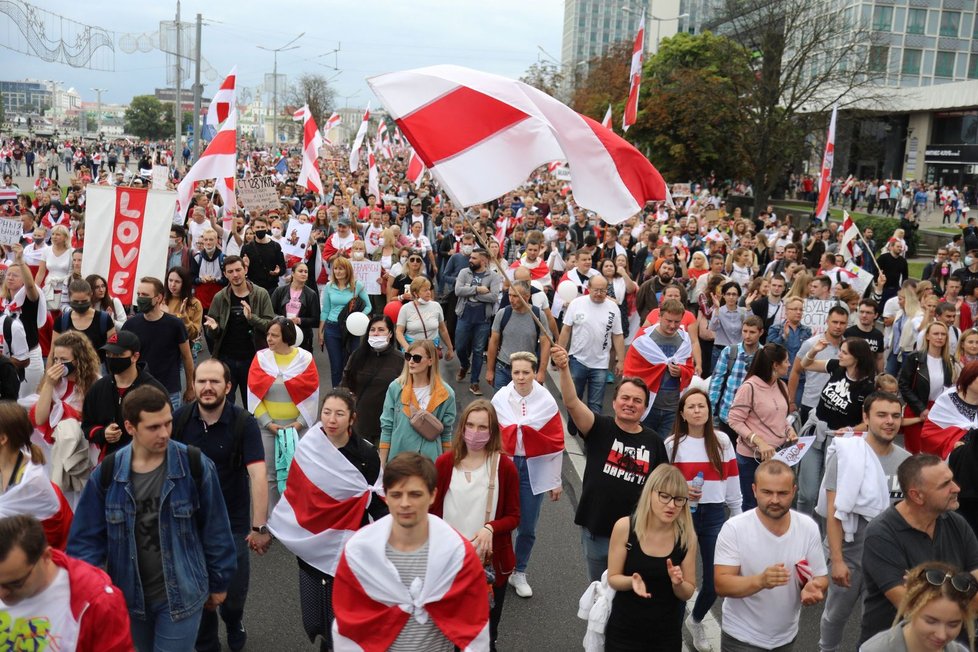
x=791 y=455
x=862 y=278
x=681 y=190
x=258 y=193
x=10 y=231
x=161 y=174
x=817 y=314
x=368 y=273
x=295 y=240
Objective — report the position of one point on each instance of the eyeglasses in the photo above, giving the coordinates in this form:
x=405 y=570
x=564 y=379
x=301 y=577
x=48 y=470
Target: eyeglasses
x=18 y=584
x=414 y=357
x=678 y=501
x=598 y=290
x=963 y=583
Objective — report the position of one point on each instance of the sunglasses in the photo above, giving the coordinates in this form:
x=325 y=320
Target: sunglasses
x=963 y=583
x=414 y=357
x=414 y=259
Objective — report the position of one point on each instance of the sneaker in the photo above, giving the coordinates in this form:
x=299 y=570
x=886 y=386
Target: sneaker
x=460 y=376
x=237 y=637
x=475 y=389
x=698 y=632
x=518 y=581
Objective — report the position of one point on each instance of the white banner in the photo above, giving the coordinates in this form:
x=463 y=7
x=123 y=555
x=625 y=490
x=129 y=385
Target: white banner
x=161 y=174
x=295 y=239
x=10 y=231
x=368 y=273
x=126 y=236
x=816 y=314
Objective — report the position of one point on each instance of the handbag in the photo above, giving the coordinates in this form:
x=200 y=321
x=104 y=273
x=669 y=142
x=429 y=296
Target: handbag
x=425 y=329
x=426 y=424
x=487 y=562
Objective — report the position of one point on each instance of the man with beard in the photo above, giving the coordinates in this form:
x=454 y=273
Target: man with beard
x=647 y=297
x=769 y=561
x=230 y=437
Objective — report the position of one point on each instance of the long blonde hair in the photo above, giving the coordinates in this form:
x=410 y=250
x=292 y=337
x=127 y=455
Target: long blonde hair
x=945 y=350
x=799 y=286
x=667 y=479
x=430 y=350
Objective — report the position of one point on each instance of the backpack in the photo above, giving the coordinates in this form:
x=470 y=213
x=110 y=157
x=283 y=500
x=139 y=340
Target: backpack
x=731 y=359
x=237 y=428
x=193 y=454
x=508 y=313
x=104 y=322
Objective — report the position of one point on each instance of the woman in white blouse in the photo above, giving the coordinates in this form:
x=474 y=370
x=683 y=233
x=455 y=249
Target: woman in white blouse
x=422 y=319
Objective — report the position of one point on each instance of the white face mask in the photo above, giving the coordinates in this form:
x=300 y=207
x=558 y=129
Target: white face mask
x=378 y=342
x=358 y=255
x=276 y=232
x=467 y=250
x=423 y=302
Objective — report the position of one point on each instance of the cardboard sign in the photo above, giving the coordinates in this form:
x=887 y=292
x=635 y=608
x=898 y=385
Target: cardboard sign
x=816 y=314
x=563 y=173
x=258 y=193
x=791 y=455
x=10 y=231
x=161 y=174
x=368 y=273
x=295 y=239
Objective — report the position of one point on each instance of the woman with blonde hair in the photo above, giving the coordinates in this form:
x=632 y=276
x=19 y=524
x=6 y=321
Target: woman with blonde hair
x=418 y=388
x=924 y=376
x=652 y=567
x=698 y=265
x=55 y=266
x=967 y=347
x=343 y=292
x=422 y=318
x=799 y=286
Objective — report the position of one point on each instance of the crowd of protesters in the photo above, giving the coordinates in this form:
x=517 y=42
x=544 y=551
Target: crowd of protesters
x=169 y=441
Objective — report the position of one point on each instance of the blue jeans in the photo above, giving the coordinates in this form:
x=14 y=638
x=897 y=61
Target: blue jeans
x=661 y=421
x=747 y=466
x=526 y=532
x=471 y=337
x=893 y=364
x=158 y=632
x=707 y=521
x=232 y=610
x=595 y=380
x=338 y=353
x=595 y=554
x=504 y=376
x=809 y=471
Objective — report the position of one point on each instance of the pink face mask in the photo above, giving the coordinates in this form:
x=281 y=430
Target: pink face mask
x=475 y=439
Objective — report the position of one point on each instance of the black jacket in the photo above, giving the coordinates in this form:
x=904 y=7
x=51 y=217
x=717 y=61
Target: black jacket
x=309 y=310
x=914 y=381
x=368 y=374
x=103 y=405
x=760 y=308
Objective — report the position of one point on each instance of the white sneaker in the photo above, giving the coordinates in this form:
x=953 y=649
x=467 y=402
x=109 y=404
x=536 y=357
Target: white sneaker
x=518 y=582
x=698 y=631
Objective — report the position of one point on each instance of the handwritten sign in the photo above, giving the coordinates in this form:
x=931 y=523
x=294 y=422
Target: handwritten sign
x=791 y=455
x=10 y=231
x=563 y=173
x=681 y=190
x=295 y=240
x=816 y=314
x=161 y=174
x=258 y=193
x=368 y=273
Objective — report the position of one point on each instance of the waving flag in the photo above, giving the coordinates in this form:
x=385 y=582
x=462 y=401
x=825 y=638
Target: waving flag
x=647 y=361
x=945 y=426
x=372 y=605
x=826 y=176
x=381 y=129
x=333 y=122
x=219 y=161
x=373 y=182
x=358 y=141
x=635 y=77
x=606 y=123
x=536 y=432
x=386 y=147
x=282 y=166
x=850 y=234
x=323 y=504
x=481 y=135
x=300 y=114
x=312 y=140
x=415 y=168
x=222 y=104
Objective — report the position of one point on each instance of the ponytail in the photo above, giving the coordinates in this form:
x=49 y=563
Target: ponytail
x=37 y=455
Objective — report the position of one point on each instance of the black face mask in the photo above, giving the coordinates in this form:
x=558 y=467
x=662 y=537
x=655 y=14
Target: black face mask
x=117 y=366
x=80 y=306
x=260 y=234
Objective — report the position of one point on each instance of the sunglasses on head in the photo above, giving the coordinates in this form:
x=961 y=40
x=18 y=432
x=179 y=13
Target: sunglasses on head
x=963 y=583
x=414 y=357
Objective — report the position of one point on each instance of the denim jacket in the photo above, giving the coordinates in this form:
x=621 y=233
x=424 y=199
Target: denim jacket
x=198 y=550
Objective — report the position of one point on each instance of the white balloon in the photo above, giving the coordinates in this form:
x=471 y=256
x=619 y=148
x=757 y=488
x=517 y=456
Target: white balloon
x=357 y=323
x=567 y=291
x=298 y=336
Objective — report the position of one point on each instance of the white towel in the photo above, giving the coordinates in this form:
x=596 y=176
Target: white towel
x=595 y=607
x=861 y=488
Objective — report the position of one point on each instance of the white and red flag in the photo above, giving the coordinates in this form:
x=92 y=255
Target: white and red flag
x=481 y=135
x=358 y=141
x=127 y=235
x=415 y=168
x=333 y=122
x=219 y=161
x=647 y=361
x=381 y=130
x=372 y=605
x=386 y=147
x=538 y=271
x=533 y=430
x=945 y=425
x=850 y=234
x=223 y=102
x=825 y=180
x=606 y=122
x=373 y=179
x=301 y=381
x=635 y=77
x=312 y=140
x=323 y=504
x=35 y=494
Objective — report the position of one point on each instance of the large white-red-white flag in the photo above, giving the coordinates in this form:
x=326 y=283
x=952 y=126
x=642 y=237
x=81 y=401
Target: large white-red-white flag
x=825 y=179
x=35 y=494
x=219 y=161
x=223 y=102
x=332 y=122
x=415 y=168
x=323 y=504
x=300 y=377
x=533 y=430
x=312 y=140
x=945 y=425
x=372 y=605
x=647 y=361
x=606 y=123
x=373 y=179
x=126 y=236
x=850 y=234
x=635 y=76
x=481 y=135
x=358 y=141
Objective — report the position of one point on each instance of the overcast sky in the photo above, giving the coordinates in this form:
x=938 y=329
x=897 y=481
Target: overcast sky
x=374 y=36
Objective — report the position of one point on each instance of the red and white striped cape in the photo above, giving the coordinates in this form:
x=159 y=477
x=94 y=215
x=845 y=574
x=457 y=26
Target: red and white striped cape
x=301 y=381
x=323 y=504
x=371 y=605
x=945 y=426
x=539 y=271
x=35 y=494
x=541 y=431
x=646 y=360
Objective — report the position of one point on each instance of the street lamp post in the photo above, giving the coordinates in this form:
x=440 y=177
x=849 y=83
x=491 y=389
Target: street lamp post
x=275 y=52
x=98 y=108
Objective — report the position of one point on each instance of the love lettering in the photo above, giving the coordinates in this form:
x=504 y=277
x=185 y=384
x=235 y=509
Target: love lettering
x=127 y=230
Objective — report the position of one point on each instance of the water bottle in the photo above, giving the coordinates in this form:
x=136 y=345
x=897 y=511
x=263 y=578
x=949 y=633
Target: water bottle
x=697 y=484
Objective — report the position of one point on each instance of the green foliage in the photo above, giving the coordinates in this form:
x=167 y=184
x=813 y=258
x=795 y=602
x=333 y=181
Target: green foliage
x=147 y=117
x=544 y=76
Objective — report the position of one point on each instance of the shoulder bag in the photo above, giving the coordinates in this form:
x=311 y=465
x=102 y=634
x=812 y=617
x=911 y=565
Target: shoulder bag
x=426 y=424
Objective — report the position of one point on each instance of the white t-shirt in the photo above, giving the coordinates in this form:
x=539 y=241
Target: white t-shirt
x=59 y=267
x=422 y=395
x=47 y=616
x=935 y=370
x=769 y=618
x=594 y=325
x=196 y=230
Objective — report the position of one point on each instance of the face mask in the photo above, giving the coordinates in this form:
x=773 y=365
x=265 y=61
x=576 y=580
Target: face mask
x=423 y=302
x=69 y=368
x=378 y=342
x=144 y=304
x=467 y=250
x=276 y=232
x=404 y=260
x=321 y=239
x=945 y=271
x=80 y=306
x=358 y=255
x=474 y=439
x=968 y=261
x=261 y=233
x=118 y=365
x=174 y=243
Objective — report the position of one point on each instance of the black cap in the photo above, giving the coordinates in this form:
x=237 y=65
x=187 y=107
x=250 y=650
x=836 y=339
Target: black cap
x=122 y=341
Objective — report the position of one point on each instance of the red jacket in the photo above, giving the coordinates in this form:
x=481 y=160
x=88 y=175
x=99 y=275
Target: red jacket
x=507 y=516
x=97 y=605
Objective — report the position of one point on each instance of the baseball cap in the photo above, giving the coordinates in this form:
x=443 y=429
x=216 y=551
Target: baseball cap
x=120 y=342
x=343 y=221
x=415 y=202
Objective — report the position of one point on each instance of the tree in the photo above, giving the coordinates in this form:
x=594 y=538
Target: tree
x=606 y=82
x=544 y=76
x=147 y=117
x=315 y=91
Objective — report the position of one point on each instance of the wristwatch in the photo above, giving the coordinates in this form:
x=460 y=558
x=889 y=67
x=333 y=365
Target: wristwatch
x=261 y=529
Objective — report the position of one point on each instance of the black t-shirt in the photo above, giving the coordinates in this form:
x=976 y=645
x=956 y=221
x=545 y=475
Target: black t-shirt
x=617 y=464
x=841 y=402
x=238 y=342
x=28 y=317
x=161 y=340
x=96 y=331
x=874 y=337
x=402 y=283
x=263 y=257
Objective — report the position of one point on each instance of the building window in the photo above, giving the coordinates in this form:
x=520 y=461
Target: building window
x=882 y=19
x=950 y=22
x=973 y=67
x=944 y=66
x=916 y=21
x=879 y=56
x=911 y=62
